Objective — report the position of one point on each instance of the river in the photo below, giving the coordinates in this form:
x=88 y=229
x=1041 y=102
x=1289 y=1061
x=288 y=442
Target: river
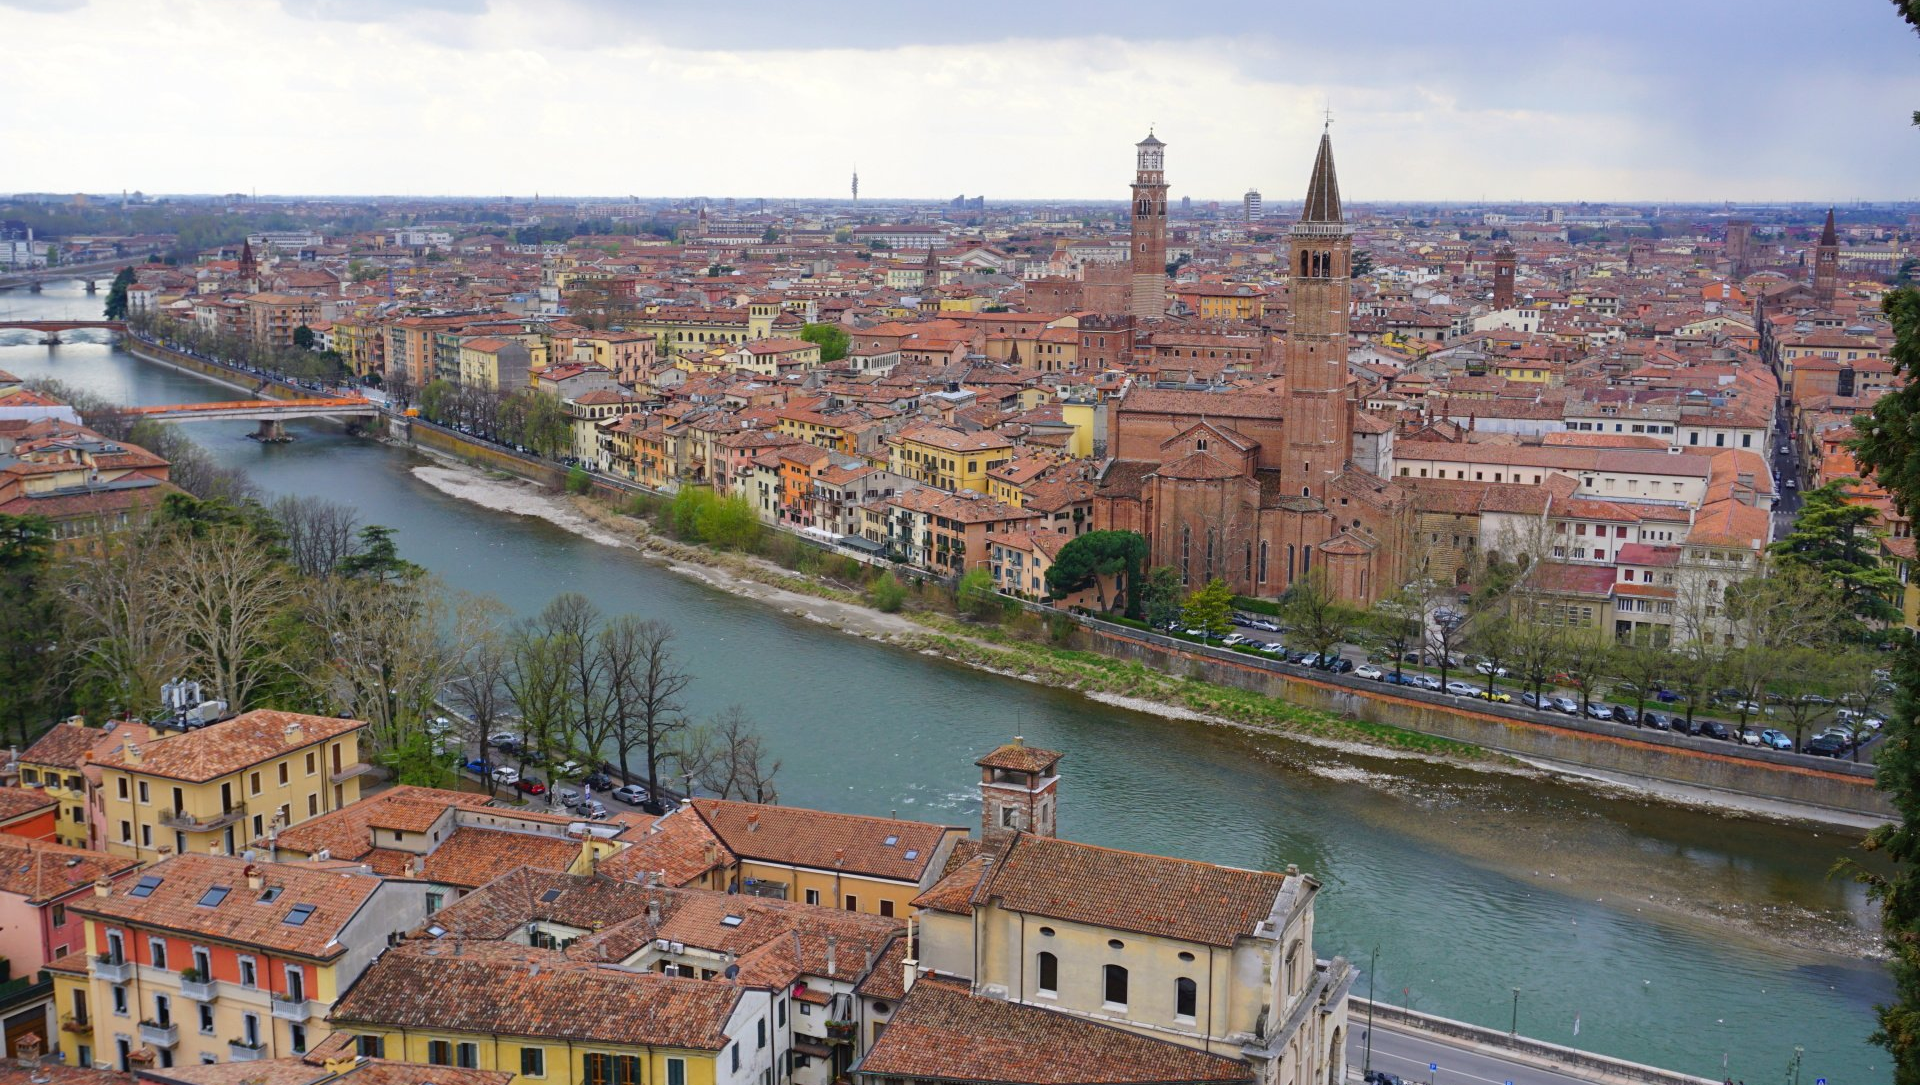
x=1675 y=937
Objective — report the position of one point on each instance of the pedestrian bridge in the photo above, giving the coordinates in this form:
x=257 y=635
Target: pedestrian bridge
x=50 y=329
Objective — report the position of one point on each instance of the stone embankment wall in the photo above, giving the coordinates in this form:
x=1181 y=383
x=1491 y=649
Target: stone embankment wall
x=1819 y=782
x=1572 y=1061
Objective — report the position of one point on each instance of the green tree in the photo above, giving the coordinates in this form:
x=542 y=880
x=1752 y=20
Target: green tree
x=1085 y=561
x=378 y=557
x=435 y=398
x=886 y=593
x=769 y=235
x=1836 y=540
x=578 y=480
x=1396 y=621
x=303 y=337
x=1160 y=596
x=978 y=597
x=1312 y=614
x=832 y=340
x=729 y=523
x=1645 y=666
x=1209 y=609
x=29 y=621
x=116 y=308
x=683 y=516
x=1585 y=655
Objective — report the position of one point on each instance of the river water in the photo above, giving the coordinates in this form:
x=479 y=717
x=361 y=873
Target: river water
x=1680 y=938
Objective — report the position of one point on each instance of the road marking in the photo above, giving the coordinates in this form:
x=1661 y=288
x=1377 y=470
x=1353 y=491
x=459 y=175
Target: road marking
x=1379 y=1054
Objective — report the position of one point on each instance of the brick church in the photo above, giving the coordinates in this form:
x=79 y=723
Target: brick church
x=1258 y=487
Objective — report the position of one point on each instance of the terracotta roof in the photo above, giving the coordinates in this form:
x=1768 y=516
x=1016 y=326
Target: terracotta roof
x=41 y=871
x=473 y=856
x=19 y=802
x=311 y=1069
x=180 y=883
x=346 y=833
x=512 y=990
x=942 y=1033
x=1017 y=756
x=223 y=748
x=824 y=840
x=677 y=849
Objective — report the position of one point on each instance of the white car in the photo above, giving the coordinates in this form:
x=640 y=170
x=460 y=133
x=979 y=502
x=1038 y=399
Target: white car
x=1232 y=639
x=569 y=768
x=631 y=793
x=1368 y=670
x=1462 y=689
x=1487 y=668
x=506 y=775
x=1750 y=737
x=439 y=725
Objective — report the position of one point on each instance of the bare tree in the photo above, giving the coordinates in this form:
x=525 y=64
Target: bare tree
x=121 y=628
x=1584 y=656
x=228 y=590
x=648 y=685
x=477 y=688
x=386 y=648
x=317 y=533
x=573 y=623
x=1313 y=614
x=726 y=756
x=537 y=680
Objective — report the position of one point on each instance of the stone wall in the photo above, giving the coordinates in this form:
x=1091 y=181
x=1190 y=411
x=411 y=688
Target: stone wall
x=1583 y=1064
x=1820 y=783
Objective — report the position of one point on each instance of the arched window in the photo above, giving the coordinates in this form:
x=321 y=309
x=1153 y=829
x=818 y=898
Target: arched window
x=1186 y=553
x=1263 y=561
x=1115 y=990
x=1186 y=997
x=1049 y=974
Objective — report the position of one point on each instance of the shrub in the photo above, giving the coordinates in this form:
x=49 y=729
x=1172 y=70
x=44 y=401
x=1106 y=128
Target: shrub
x=729 y=523
x=976 y=597
x=887 y=593
x=578 y=481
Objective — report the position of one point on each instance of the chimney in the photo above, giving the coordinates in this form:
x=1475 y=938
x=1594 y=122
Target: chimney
x=103 y=887
x=254 y=881
x=166 y=850
x=910 y=966
x=653 y=910
x=753 y=822
x=133 y=753
x=293 y=729
x=830 y=955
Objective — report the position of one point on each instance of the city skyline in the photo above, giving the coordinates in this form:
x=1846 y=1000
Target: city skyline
x=1705 y=104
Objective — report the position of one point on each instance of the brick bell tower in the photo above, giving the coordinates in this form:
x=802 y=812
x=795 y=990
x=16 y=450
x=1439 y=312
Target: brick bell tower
x=1019 y=790
x=1319 y=428
x=1148 y=294
x=1826 y=263
x=1503 y=278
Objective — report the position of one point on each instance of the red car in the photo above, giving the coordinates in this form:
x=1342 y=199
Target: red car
x=531 y=787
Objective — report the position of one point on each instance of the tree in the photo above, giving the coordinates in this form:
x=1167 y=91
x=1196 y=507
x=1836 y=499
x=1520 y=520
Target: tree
x=120 y=633
x=1086 y=559
x=384 y=651
x=477 y=687
x=886 y=593
x=1309 y=610
x=573 y=624
x=538 y=681
x=725 y=756
x=579 y=482
x=1445 y=639
x=769 y=235
x=683 y=515
x=1396 y=621
x=1805 y=681
x=303 y=337
x=1584 y=657
x=1493 y=636
x=116 y=308
x=318 y=534
x=377 y=557
x=832 y=340
x=1646 y=667
x=229 y=590
x=1160 y=596
x=1209 y=609
x=29 y=621
x=729 y=523
x=979 y=597
x=435 y=399
x=646 y=685
x=1835 y=540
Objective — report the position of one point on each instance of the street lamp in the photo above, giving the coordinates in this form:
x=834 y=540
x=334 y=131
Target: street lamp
x=1373 y=970
x=1514 y=1030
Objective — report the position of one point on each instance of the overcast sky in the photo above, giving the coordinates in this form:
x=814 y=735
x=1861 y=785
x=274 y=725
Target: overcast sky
x=1457 y=100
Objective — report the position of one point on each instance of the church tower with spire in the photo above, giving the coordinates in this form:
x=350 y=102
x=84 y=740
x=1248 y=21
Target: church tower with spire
x=249 y=270
x=1148 y=297
x=1319 y=429
x=1826 y=264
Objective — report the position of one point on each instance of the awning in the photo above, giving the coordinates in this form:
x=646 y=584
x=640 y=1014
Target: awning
x=808 y=1047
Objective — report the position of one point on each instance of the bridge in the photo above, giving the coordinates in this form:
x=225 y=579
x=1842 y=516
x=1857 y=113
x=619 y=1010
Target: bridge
x=52 y=328
x=89 y=273
x=272 y=414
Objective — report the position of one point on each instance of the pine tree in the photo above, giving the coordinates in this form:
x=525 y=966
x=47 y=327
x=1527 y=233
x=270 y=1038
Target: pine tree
x=1836 y=540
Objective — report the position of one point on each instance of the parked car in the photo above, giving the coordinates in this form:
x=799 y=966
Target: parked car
x=569 y=767
x=1368 y=670
x=599 y=781
x=1392 y=679
x=1656 y=721
x=593 y=810
x=476 y=766
x=1265 y=624
x=1599 y=711
x=1749 y=736
x=1774 y=738
x=631 y=793
x=1666 y=696
x=1462 y=689
x=1497 y=696
x=1715 y=729
x=1232 y=639
x=1336 y=664
x=1825 y=746
x=565 y=796
x=1564 y=704
x=1682 y=727
x=1532 y=699
x=1274 y=648
x=1425 y=681
x=506 y=774
x=439 y=725
x=503 y=740
x=1626 y=713
x=529 y=785
x=1485 y=667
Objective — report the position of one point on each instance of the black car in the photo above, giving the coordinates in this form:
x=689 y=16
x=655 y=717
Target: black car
x=1336 y=664
x=1301 y=657
x=1381 y=1077
x=1825 y=746
x=599 y=781
x=1656 y=721
x=1682 y=727
x=1715 y=729
x=1626 y=713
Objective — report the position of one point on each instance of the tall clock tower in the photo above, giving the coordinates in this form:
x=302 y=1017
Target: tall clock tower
x=1148 y=297
x=1319 y=431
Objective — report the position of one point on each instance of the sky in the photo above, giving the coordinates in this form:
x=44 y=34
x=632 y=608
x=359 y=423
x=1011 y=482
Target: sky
x=1461 y=100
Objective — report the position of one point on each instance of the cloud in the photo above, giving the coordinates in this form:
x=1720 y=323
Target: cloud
x=763 y=98
x=44 y=5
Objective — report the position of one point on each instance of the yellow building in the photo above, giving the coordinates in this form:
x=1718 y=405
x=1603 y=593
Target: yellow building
x=1528 y=371
x=57 y=764
x=222 y=786
x=495 y=363
x=950 y=459
x=845 y=861
x=207 y=957
x=1081 y=415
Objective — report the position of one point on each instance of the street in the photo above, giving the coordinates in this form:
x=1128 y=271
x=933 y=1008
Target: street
x=1410 y=1054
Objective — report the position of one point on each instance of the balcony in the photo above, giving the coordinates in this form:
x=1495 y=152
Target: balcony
x=348 y=772
x=112 y=971
x=70 y=1023
x=291 y=1009
x=180 y=819
x=242 y=1051
x=197 y=989
x=154 y=1034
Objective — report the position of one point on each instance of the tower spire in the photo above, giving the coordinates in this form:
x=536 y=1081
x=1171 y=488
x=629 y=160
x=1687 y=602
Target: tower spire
x=1323 y=190
x=1828 y=236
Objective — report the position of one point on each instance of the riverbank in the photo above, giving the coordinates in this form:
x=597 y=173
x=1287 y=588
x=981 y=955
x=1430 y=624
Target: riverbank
x=1102 y=678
